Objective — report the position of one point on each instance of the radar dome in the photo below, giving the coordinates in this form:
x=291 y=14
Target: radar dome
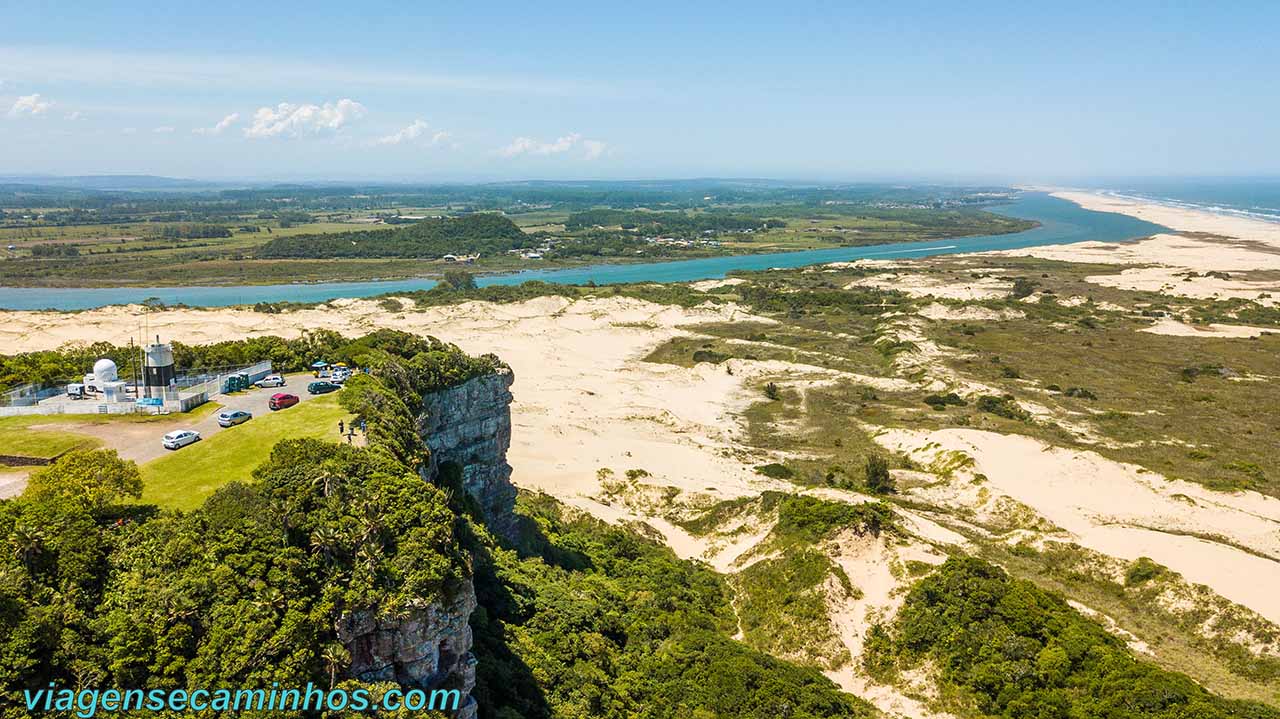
x=105 y=370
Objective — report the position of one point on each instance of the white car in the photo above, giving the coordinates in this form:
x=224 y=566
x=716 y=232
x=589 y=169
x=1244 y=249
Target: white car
x=180 y=438
x=271 y=380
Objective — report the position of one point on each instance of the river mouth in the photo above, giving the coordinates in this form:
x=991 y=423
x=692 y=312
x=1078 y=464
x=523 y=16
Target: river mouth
x=1061 y=222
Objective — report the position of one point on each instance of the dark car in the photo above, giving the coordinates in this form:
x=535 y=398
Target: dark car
x=323 y=387
x=280 y=400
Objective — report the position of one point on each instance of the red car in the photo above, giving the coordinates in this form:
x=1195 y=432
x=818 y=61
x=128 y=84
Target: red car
x=280 y=400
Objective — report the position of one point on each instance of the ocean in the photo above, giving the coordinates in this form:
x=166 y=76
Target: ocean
x=1254 y=198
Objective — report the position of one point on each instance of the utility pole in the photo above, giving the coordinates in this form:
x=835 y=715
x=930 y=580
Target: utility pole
x=133 y=365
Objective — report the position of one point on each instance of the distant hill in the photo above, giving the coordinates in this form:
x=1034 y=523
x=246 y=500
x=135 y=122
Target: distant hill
x=486 y=233
x=118 y=183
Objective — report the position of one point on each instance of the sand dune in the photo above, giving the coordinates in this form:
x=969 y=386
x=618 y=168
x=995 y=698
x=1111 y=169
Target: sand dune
x=1169 y=326
x=1230 y=542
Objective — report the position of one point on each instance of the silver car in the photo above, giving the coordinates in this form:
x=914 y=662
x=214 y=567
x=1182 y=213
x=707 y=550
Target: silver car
x=271 y=380
x=232 y=417
x=180 y=438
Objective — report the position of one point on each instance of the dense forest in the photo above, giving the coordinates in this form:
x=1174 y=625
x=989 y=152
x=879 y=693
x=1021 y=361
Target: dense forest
x=485 y=233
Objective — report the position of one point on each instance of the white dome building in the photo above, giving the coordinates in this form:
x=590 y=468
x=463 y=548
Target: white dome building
x=104 y=370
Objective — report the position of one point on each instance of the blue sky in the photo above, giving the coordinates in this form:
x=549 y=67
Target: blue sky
x=473 y=91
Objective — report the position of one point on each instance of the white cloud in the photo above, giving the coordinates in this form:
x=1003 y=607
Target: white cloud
x=529 y=146
x=162 y=130
x=30 y=105
x=416 y=130
x=75 y=115
x=289 y=120
x=594 y=148
x=222 y=124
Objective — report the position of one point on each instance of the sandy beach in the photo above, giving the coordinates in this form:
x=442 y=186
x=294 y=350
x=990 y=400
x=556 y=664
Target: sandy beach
x=1243 y=253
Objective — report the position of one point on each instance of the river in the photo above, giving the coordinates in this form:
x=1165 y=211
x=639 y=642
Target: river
x=1061 y=222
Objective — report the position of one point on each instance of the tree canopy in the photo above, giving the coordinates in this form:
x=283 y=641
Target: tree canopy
x=486 y=233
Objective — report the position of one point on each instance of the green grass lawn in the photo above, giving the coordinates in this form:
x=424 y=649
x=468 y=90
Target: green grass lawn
x=183 y=479
x=43 y=442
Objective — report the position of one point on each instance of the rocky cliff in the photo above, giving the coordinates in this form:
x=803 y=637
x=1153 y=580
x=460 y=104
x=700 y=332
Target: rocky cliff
x=428 y=647
x=468 y=430
x=469 y=426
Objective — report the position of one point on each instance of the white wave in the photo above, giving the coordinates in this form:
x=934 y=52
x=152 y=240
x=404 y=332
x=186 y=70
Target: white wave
x=1271 y=215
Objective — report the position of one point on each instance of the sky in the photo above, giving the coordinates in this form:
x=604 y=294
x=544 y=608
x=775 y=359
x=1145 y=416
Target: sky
x=1017 y=91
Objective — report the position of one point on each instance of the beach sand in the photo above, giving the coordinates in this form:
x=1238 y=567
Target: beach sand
x=1246 y=250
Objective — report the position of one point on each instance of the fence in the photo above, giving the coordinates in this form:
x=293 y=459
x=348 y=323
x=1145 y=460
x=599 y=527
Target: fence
x=191 y=391
x=80 y=407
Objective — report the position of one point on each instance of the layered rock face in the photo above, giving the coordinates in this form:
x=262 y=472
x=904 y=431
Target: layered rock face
x=470 y=426
x=428 y=647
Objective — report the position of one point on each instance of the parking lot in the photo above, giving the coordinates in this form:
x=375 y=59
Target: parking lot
x=140 y=441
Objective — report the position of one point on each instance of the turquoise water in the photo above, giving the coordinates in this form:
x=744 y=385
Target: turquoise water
x=1061 y=222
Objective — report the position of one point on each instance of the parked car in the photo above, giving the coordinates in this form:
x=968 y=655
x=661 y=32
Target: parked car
x=271 y=380
x=232 y=417
x=280 y=400
x=323 y=387
x=338 y=377
x=180 y=438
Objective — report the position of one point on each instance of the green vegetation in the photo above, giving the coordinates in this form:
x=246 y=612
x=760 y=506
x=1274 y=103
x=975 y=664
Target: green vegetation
x=595 y=621
x=1004 y=406
x=879 y=481
x=485 y=233
x=90 y=478
x=1144 y=569
x=782 y=607
x=262 y=573
x=805 y=520
x=668 y=223
x=286 y=355
x=774 y=470
x=44 y=443
x=1010 y=649
x=186 y=478
x=192 y=235
x=193 y=232
x=940 y=402
x=1189 y=628
x=782 y=596
x=1152 y=397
